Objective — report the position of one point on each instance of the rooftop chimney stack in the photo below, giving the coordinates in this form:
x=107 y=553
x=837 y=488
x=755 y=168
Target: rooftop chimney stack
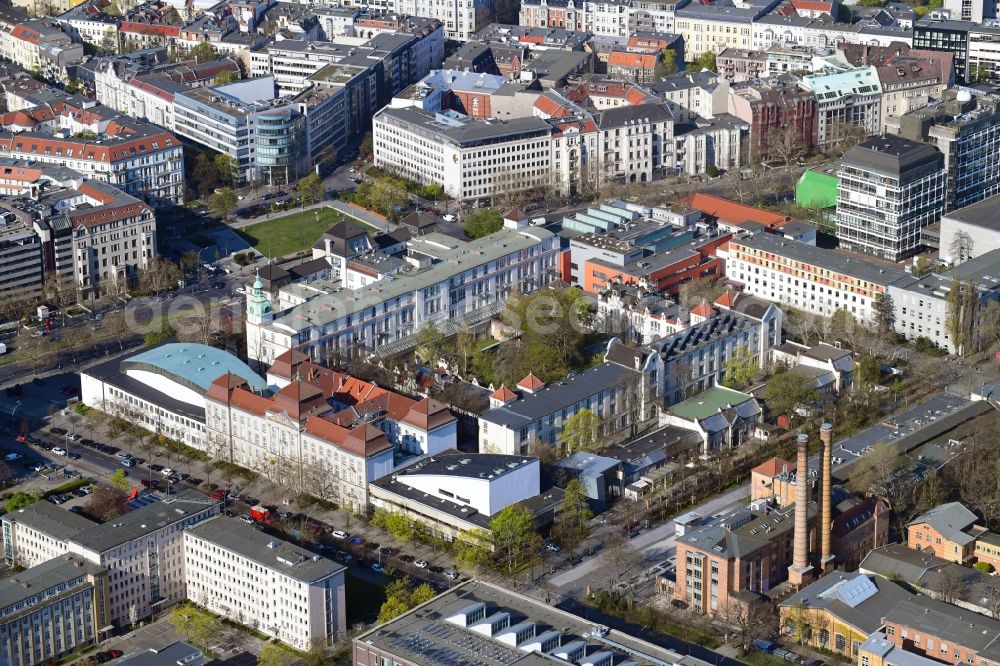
x=825 y=497
x=800 y=572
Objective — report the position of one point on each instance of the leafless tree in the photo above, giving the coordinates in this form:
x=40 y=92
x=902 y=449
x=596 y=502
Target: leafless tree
x=750 y=618
x=621 y=565
x=949 y=583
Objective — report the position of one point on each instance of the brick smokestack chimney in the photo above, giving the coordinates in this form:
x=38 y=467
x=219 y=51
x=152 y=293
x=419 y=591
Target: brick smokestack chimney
x=825 y=496
x=800 y=572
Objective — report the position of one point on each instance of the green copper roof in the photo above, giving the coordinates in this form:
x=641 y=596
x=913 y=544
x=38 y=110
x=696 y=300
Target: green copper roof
x=708 y=402
x=193 y=365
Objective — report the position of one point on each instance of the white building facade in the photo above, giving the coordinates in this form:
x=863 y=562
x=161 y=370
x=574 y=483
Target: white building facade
x=262 y=582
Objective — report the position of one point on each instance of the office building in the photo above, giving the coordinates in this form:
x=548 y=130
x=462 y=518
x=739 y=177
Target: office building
x=258 y=580
x=964 y=125
x=470 y=159
x=807 y=278
x=478 y=618
x=890 y=188
x=21 y=267
x=951 y=35
x=322 y=430
x=163 y=389
x=537 y=412
x=842 y=610
x=327 y=324
x=142 y=550
x=52 y=610
x=264 y=135
x=455 y=493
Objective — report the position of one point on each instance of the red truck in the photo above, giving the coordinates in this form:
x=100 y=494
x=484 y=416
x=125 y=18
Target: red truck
x=261 y=514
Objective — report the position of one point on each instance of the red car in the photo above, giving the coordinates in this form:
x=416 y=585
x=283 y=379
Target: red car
x=22 y=438
x=219 y=494
x=116 y=653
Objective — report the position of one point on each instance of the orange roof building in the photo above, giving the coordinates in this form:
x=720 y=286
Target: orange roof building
x=731 y=212
x=323 y=431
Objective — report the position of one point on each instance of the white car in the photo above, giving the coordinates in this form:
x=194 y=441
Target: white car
x=58 y=451
x=451 y=574
x=73 y=437
x=420 y=564
x=338 y=534
x=11 y=457
x=166 y=471
x=448 y=218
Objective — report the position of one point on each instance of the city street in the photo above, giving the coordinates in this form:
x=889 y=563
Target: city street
x=656 y=544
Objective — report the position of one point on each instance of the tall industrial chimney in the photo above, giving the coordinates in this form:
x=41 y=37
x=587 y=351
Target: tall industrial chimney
x=825 y=496
x=800 y=572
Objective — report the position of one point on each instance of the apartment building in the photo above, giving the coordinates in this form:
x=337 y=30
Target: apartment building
x=52 y=610
x=889 y=189
x=566 y=14
x=807 y=278
x=537 y=412
x=881 y=28
x=321 y=429
x=141 y=160
x=780 y=113
x=261 y=581
x=141 y=550
x=846 y=103
x=114 y=237
x=964 y=125
x=453 y=279
x=41 y=46
x=716 y=25
x=265 y=135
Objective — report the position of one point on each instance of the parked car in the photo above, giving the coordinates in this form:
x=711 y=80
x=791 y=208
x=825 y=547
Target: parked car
x=356 y=540
x=339 y=534
x=246 y=518
x=378 y=568
x=407 y=558
x=552 y=546
x=420 y=564
x=451 y=574
x=59 y=451
x=166 y=471
x=128 y=462
x=58 y=431
x=343 y=556
x=11 y=457
x=219 y=494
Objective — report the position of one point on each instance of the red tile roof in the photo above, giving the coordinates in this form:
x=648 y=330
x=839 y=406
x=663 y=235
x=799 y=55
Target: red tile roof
x=703 y=310
x=726 y=300
x=773 y=467
x=531 y=382
x=632 y=60
x=732 y=212
x=504 y=394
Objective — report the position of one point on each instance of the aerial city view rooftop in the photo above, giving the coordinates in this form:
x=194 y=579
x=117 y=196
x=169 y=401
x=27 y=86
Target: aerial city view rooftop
x=482 y=333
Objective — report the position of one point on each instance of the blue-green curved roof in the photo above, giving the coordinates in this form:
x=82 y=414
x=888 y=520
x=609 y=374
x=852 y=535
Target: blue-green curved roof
x=193 y=365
